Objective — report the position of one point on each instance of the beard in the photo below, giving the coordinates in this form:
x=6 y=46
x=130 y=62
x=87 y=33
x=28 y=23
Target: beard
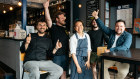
x=62 y=23
x=95 y=27
x=41 y=32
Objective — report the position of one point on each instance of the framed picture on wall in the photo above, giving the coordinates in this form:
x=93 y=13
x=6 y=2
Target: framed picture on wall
x=126 y=15
x=29 y=29
x=136 y=29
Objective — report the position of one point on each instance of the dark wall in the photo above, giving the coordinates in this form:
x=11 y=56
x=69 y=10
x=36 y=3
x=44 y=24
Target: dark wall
x=9 y=18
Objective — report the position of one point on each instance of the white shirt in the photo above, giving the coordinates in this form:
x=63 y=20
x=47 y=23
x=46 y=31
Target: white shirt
x=73 y=42
x=116 y=38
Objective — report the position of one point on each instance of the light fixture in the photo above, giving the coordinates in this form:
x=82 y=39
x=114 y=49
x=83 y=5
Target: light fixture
x=43 y=12
x=80 y=5
x=19 y=3
x=11 y=8
x=4 y=11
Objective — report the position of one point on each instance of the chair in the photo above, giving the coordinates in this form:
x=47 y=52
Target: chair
x=101 y=50
x=22 y=59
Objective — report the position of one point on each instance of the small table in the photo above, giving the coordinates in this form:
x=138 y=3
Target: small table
x=130 y=56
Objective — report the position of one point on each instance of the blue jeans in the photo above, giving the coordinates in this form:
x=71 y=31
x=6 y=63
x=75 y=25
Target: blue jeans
x=33 y=67
x=62 y=60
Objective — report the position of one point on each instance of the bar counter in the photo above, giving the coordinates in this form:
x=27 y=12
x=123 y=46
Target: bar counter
x=10 y=54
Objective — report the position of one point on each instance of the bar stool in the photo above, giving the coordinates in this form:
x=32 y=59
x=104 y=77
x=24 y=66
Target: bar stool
x=101 y=50
x=22 y=59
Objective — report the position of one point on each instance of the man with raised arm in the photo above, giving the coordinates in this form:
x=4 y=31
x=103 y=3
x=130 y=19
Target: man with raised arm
x=119 y=40
x=59 y=32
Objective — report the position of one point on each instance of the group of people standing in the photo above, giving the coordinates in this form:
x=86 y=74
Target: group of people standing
x=82 y=47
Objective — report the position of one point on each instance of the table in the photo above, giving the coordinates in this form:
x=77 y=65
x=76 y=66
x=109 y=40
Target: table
x=131 y=56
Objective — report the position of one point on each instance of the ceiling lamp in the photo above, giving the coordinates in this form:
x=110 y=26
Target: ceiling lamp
x=4 y=11
x=80 y=5
x=19 y=3
x=11 y=8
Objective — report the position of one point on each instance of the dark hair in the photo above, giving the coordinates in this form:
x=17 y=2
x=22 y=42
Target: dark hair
x=78 y=21
x=75 y=23
x=58 y=13
x=120 y=20
x=40 y=20
x=92 y=26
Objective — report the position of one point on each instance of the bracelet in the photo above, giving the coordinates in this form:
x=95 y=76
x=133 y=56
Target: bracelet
x=26 y=43
x=55 y=49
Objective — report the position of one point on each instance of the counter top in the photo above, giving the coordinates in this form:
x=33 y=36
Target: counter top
x=10 y=38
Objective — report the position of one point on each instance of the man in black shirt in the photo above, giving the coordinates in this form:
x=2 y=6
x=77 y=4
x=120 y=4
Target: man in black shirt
x=58 y=31
x=96 y=36
x=37 y=46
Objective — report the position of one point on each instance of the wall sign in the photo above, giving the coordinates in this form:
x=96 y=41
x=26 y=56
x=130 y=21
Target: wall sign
x=136 y=29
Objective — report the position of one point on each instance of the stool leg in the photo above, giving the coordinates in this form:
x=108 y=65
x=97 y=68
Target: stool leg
x=114 y=74
x=23 y=73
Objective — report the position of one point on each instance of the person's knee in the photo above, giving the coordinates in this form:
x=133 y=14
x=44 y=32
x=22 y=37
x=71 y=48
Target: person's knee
x=34 y=73
x=59 y=71
x=123 y=71
x=94 y=69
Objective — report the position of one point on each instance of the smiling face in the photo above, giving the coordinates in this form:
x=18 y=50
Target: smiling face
x=79 y=27
x=61 y=19
x=41 y=27
x=119 y=28
x=94 y=24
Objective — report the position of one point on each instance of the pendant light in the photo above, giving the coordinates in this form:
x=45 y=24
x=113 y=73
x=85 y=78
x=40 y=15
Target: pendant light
x=4 y=11
x=19 y=3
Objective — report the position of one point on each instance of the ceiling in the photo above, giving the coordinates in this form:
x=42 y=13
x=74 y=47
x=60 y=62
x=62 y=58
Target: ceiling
x=39 y=1
x=30 y=3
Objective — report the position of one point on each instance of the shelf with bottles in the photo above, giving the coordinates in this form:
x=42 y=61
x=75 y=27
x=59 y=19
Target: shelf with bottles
x=33 y=14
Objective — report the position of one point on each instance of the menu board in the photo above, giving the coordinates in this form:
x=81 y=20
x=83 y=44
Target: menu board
x=92 y=5
x=136 y=29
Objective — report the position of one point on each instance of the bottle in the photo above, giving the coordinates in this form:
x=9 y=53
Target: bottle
x=17 y=32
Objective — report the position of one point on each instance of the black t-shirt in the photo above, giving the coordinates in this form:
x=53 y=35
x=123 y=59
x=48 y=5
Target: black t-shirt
x=59 y=32
x=96 y=37
x=38 y=49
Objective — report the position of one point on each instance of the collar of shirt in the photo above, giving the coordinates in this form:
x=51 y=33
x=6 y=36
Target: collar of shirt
x=80 y=36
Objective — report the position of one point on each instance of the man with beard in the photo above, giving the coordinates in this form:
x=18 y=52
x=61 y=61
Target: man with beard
x=37 y=46
x=96 y=36
x=119 y=40
x=58 y=32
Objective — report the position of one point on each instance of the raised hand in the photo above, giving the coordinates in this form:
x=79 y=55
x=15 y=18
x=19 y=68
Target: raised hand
x=95 y=14
x=46 y=4
x=28 y=39
x=58 y=44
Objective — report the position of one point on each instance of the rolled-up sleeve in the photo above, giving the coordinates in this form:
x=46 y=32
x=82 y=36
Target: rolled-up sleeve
x=89 y=43
x=73 y=44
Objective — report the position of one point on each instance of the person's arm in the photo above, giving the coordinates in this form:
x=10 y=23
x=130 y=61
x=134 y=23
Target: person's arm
x=79 y=70
x=100 y=23
x=73 y=46
x=89 y=52
x=25 y=44
x=47 y=14
x=58 y=45
x=125 y=46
